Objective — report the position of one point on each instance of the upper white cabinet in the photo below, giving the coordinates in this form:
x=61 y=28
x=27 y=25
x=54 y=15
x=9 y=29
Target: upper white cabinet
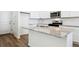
x=75 y=13
x=44 y=14
x=40 y=14
x=34 y=15
x=65 y=13
x=69 y=14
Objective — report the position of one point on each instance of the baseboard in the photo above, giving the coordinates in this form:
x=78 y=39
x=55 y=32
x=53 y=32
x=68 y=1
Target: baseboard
x=10 y=34
x=5 y=34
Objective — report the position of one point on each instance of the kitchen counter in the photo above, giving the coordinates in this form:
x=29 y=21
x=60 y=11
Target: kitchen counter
x=74 y=30
x=49 y=37
x=55 y=31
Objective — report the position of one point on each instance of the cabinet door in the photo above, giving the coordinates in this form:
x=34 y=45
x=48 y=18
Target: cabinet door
x=40 y=14
x=69 y=13
x=44 y=14
x=65 y=14
x=34 y=14
x=74 y=13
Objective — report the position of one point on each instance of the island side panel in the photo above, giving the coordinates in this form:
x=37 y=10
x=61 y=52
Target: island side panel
x=70 y=40
x=38 y=39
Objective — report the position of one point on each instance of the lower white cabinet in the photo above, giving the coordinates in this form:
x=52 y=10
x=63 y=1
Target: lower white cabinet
x=38 y=39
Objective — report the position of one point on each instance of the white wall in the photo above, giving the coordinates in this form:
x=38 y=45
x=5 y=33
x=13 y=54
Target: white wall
x=32 y=21
x=4 y=22
x=71 y=21
x=9 y=22
x=15 y=23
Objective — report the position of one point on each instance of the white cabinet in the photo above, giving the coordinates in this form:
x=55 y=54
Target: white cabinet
x=34 y=15
x=38 y=39
x=65 y=14
x=40 y=14
x=75 y=13
x=44 y=14
x=69 y=14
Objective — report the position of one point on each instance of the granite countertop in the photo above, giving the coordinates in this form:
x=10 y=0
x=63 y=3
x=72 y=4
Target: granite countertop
x=55 y=31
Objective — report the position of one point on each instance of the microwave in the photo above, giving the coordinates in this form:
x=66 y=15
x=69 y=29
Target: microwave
x=56 y=14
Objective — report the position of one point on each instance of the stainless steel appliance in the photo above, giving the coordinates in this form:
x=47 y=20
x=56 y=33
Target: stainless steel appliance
x=56 y=14
x=56 y=23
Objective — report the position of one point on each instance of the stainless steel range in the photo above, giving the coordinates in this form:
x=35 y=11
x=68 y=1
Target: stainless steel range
x=56 y=23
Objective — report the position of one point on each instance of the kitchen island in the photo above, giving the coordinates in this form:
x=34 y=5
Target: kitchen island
x=49 y=37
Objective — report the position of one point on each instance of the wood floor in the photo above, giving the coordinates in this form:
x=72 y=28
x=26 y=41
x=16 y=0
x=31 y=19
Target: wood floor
x=8 y=40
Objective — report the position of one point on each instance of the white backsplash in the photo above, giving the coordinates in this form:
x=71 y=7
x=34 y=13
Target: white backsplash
x=40 y=21
x=33 y=21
